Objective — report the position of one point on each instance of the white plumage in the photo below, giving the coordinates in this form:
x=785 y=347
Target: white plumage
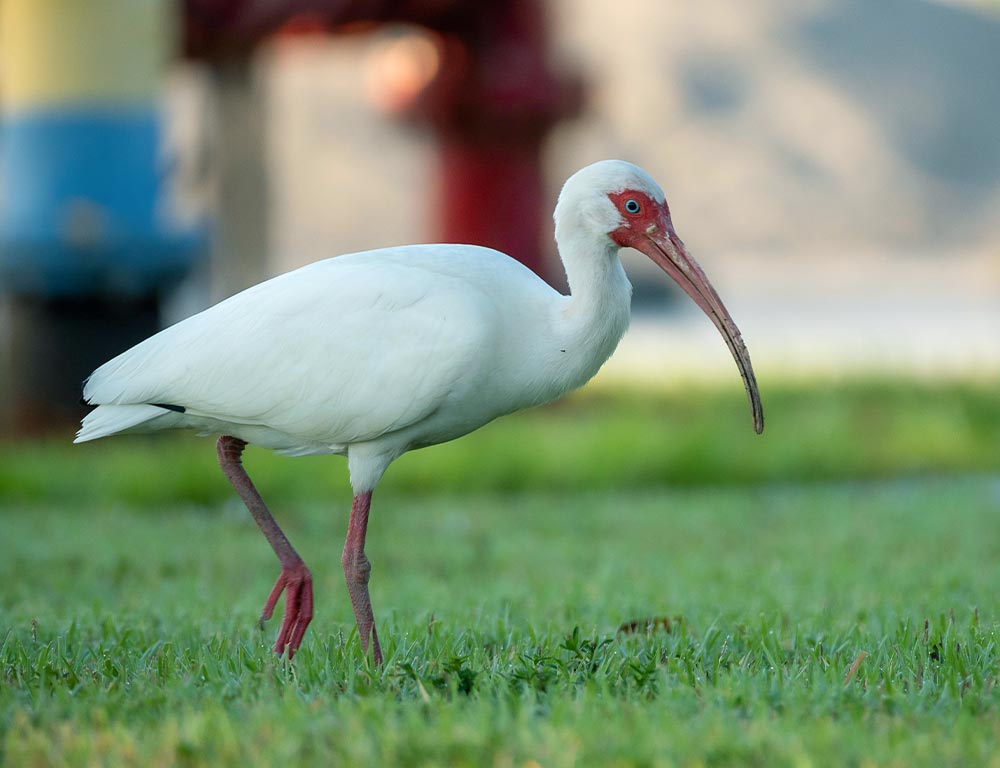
x=376 y=353
x=383 y=350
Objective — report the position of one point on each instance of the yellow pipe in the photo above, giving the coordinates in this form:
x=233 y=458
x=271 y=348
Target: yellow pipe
x=62 y=52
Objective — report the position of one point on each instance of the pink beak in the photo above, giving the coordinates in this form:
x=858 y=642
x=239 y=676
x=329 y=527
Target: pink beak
x=667 y=251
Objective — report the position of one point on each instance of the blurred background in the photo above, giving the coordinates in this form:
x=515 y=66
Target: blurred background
x=833 y=164
x=835 y=167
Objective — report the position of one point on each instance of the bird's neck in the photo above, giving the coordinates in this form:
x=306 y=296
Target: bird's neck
x=596 y=315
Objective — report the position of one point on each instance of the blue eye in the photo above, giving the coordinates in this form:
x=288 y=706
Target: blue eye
x=632 y=206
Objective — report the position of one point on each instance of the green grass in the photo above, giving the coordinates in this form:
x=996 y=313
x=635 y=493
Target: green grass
x=592 y=441
x=866 y=521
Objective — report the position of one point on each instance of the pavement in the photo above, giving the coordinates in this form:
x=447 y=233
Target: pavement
x=910 y=315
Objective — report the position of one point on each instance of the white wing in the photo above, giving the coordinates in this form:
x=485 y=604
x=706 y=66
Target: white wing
x=340 y=351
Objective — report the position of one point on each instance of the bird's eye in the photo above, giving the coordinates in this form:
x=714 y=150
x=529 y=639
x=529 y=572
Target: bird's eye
x=632 y=206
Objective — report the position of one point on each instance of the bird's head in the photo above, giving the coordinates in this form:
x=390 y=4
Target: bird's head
x=618 y=201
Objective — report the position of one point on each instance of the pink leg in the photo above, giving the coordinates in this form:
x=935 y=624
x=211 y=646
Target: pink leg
x=357 y=570
x=295 y=577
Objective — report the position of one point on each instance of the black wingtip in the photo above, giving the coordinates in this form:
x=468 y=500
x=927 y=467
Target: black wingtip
x=171 y=407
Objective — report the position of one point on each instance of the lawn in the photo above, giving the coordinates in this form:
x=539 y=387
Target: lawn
x=825 y=594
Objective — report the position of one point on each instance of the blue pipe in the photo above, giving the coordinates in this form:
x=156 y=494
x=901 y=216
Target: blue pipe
x=81 y=210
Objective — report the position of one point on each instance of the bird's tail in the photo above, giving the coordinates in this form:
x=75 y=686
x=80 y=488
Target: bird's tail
x=110 y=419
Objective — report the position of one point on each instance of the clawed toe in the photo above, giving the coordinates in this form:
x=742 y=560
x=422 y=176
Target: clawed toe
x=296 y=582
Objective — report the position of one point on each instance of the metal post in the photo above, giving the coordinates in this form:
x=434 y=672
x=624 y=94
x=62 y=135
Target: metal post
x=87 y=245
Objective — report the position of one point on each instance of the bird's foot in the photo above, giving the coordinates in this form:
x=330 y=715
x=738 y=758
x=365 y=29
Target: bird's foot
x=296 y=581
x=358 y=590
x=376 y=649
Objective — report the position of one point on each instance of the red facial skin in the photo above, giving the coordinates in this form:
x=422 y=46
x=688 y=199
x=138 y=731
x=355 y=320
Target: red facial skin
x=650 y=230
x=652 y=217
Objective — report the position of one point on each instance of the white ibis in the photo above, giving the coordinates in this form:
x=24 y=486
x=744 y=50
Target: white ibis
x=373 y=354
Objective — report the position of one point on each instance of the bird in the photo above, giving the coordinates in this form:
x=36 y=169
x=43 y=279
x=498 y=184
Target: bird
x=369 y=355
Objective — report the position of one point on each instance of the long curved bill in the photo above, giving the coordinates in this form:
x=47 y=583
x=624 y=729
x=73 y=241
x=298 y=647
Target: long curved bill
x=667 y=251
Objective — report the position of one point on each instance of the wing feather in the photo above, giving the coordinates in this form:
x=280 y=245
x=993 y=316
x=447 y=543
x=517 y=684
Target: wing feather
x=340 y=351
